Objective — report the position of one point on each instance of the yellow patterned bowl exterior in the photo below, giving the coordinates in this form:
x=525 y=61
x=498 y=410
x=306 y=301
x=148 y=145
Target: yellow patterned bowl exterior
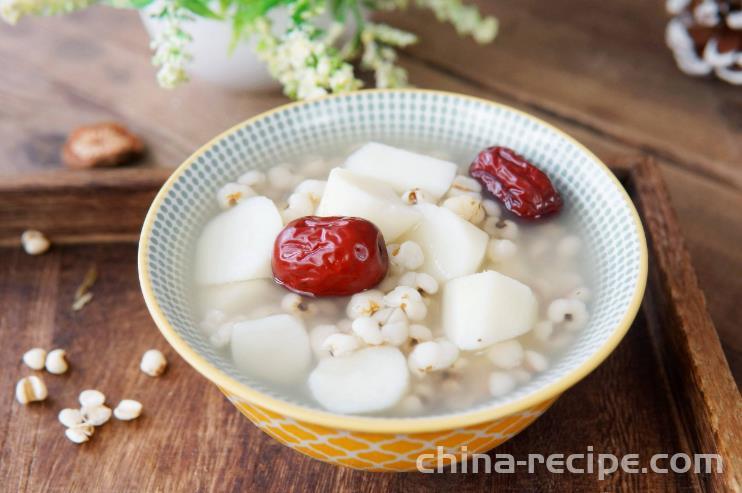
x=594 y=199
x=387 y=452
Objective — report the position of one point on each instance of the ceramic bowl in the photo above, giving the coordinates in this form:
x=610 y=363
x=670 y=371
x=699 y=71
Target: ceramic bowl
x=459 y=125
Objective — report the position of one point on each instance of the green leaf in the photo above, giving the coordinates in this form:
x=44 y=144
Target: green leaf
x=239 y=22
x=252 y=9
x=298 y=11
x=130 y=4
x=246 y=12
x=200 y=8
x=339 y=9
x=224 y=6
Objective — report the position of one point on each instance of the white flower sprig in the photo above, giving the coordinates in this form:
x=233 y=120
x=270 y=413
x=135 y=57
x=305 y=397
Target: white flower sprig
x=379 y=55
x=13 y=10
x=308 y=60
x=466 y=19
x=170 y=45
x=304 y=61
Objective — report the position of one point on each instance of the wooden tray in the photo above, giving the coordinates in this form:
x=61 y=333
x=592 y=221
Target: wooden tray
x=666 y=389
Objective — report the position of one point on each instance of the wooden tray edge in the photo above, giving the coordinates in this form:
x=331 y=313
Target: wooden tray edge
x=72 y=206
x=701 y=384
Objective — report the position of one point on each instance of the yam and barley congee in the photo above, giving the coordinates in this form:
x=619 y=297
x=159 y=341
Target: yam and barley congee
x=389 y=282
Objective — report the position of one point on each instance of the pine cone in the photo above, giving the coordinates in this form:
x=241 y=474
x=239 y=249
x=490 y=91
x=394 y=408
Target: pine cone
x=706 y=37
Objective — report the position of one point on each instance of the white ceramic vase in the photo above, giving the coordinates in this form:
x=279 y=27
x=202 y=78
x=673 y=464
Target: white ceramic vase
x=239 y=70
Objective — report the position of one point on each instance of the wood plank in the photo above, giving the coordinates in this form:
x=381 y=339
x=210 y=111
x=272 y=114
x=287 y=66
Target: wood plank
x=80 y=205
x=704 y=391
x=710 y=220
x=104 y=342
x=601 y=65
x=95 y=66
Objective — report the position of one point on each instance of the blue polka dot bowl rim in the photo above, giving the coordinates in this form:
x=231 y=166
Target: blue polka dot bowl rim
x=604 y=214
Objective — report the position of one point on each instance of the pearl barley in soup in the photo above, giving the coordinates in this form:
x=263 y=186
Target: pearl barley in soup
x=360 y=282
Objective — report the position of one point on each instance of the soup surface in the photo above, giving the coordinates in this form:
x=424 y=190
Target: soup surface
x=474 y=299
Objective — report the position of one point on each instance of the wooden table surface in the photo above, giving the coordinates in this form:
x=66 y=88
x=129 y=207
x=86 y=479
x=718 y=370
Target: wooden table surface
x=599 y=70
x=665 y=389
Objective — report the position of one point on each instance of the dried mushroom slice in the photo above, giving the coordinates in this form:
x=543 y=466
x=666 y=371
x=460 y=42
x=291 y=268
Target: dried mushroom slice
x=101 y=144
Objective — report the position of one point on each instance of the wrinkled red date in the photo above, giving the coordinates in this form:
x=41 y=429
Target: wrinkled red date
x=329 y=256
x=524 y=189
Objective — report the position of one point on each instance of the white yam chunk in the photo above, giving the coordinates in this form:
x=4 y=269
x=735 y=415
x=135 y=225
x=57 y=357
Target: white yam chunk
x=351 y=194
x=452 y=246
x=365 y=381
x=274 y=348
x=239 y=298
x=484 y=308
x=236 y=245
x=403 y=170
